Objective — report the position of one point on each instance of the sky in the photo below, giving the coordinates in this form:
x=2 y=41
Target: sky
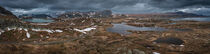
x=117 y=6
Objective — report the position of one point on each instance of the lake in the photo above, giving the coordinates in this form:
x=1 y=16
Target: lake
x=123 y=28
x=201 y=19
x=37 y=20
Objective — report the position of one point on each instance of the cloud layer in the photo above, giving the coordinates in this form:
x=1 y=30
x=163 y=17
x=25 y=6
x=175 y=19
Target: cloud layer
x=67 y=4
x=119 y=6
x=170 y=4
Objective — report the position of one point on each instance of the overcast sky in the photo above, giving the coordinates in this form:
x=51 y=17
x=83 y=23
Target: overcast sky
x=118 y=6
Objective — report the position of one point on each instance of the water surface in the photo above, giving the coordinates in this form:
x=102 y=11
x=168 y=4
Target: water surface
x=170 y=40
x=123 y=28
x=201 y=19
x=37 y=20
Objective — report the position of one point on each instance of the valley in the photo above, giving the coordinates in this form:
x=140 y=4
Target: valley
x=95 y=34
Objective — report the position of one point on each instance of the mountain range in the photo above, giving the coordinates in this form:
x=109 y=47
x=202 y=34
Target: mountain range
x=90 y=14
x=167 y=15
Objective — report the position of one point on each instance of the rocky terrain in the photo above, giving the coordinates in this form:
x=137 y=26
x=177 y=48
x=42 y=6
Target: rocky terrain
x=84 y=35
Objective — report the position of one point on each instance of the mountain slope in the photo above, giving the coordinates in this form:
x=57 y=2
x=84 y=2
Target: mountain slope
x=6 y=14
x=7 y=19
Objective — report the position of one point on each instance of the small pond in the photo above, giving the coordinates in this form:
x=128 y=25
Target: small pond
x=170 y=40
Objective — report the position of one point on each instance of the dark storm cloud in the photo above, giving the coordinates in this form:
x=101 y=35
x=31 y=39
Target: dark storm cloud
x=170 y=4
x=92 y=4
x=67 y=4
x=23 y=4
x=99 y=4
x=124 y=6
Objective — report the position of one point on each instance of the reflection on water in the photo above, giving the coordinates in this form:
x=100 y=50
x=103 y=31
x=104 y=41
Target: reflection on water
x=123 y=28
x=36 y=20
x=207 y=19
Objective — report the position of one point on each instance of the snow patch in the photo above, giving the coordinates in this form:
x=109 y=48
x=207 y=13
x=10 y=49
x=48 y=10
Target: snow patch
x=72 y=24
x=47 y=30
x=92 y=23
x=58 y=31
x=181 y=45
x=84 y=30
x=83 y=21
x=10 y=29
x=14 y=28
x=1 y=32
x=47 y=37
x=26 y=30
x=20 y=28
x=156 y=53
x=28 y=35
x=44 y=24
